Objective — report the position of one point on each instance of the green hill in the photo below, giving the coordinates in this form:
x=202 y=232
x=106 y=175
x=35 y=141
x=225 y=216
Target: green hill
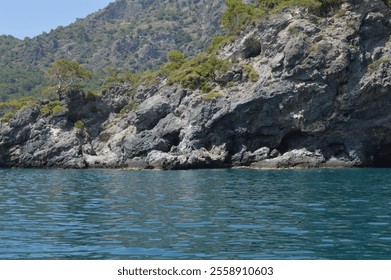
x=127 y=34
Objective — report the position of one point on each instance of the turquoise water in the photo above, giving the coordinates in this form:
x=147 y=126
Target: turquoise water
x=201 y=214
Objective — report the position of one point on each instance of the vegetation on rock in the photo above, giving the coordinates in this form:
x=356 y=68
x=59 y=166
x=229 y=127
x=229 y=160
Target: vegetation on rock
x=197 y=73
x=79 y=125
x=9 y=108
x=213 y=95
x=376 y=63
x=68 y=75
x=52 y=108
x=238 y=15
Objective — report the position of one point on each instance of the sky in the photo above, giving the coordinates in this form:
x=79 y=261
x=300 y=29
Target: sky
x=28 y=18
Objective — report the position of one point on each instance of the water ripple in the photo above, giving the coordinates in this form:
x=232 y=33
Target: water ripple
x=202 y=214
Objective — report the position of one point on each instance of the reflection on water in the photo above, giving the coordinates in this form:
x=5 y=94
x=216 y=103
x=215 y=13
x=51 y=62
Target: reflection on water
x=202 y=214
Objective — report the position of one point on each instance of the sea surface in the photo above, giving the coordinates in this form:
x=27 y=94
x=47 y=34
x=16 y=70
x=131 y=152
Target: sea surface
x=199 y=214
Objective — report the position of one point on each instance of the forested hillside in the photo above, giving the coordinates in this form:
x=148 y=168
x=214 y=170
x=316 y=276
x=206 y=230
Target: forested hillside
x=127 y=34
x=130 y=35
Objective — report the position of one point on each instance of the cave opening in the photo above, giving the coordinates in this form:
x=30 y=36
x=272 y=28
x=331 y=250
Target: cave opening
x=252 y=48
x=293 y=140
x=382 y=158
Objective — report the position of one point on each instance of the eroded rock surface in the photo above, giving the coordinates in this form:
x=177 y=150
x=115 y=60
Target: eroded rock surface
x=323 y=99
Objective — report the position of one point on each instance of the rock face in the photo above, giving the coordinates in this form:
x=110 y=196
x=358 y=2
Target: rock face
x=323 y=99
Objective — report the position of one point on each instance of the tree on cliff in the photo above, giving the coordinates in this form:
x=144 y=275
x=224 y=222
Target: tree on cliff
x=68 y=75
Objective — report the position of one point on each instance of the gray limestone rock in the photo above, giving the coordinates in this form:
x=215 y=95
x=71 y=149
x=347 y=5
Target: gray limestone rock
x=322 y=100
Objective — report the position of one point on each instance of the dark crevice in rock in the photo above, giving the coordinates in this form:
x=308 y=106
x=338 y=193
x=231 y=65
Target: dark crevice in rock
x=292 y=140
x=337 y=149
x=382 y=158
x=252 y=48
x=173 y=138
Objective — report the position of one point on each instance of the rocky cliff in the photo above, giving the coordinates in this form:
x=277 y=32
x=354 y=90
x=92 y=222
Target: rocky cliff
x=323 y=99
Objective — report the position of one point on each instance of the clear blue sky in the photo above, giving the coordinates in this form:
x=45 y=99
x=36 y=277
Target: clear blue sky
x=22 y=18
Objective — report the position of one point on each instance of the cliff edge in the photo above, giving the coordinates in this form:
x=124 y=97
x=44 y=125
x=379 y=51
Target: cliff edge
x=322 y=98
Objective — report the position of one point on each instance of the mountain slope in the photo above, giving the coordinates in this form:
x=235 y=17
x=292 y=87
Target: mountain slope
x=127 y=34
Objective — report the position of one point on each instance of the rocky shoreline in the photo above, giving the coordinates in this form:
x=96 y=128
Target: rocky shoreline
x=323 y=99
